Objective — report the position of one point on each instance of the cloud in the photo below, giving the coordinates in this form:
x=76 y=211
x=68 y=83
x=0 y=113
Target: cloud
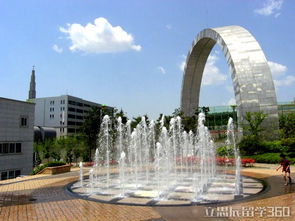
x=182 y=64
x=57 y=49
x=277 y=69
x=99 y=37
x=286 y=81
x=279 y=74
x=169 y=26
x=270 y=7
x=212 y=74
x=161 y=69
x=231 y=101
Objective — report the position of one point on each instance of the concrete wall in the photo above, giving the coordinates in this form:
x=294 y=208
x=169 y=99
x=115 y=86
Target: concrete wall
x=11 y=131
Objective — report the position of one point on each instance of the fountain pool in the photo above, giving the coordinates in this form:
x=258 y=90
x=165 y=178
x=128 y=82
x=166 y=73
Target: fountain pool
x=154 y=165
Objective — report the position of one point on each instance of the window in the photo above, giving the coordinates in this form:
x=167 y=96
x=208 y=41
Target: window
x=71 y=123
x=18 y=148
x=51 y=102
x=5 y=148
x=72 y=102
x=71 y=130
x=79 y=110
x=79 y=117
x=71 y=109
x=4 y=175
x=79 y=104
x=71 y=116
x=51 y=109
x=11 y=174
x=1 y=150
x=11 y=147
x=23 y=121
x=17 y=173
x=51 y=116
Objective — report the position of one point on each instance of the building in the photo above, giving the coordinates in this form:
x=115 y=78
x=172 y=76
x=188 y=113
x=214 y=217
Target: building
x=16 y=138
x=65 y=113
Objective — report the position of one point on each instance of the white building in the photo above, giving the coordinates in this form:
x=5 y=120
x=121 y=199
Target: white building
x=65 y=113
x=16 y=138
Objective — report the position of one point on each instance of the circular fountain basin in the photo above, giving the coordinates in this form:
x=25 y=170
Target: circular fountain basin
x=182 y=193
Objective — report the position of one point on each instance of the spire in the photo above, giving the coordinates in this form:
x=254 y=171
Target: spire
x=32 y=91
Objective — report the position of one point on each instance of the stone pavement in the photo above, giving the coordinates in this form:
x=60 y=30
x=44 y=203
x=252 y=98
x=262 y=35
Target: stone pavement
x=43 y=197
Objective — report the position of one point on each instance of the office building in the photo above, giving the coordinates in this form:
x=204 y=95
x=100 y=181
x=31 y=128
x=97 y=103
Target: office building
x=16 y=138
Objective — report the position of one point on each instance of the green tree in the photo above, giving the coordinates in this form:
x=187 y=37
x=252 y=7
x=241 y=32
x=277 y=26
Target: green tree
x=91 y=127
x=287 y=125
x=251 y=143
x=254 y=123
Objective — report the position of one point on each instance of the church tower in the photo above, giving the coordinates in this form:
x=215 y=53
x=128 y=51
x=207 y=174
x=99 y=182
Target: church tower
x=32 y=91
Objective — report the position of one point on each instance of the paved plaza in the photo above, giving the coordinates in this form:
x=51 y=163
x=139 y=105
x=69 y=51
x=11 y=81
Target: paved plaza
x=44 y=197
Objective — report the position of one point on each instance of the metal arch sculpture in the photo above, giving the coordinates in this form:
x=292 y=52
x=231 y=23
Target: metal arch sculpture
x=252 y=80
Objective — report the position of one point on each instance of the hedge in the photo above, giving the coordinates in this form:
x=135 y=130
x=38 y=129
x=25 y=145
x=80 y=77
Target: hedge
x=269 y=158
x=49 y=164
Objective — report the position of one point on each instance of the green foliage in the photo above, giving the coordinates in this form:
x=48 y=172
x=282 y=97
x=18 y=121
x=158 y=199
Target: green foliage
x=90 y=128
x=225 y=151
x=266 y=158
x=269 y=158
x=249 y=145
x=287 y=125
x=254 y=123
x=273 y=146
x=290 y=143
x=49 y=164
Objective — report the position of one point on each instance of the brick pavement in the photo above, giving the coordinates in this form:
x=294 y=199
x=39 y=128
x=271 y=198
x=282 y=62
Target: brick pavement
x=43 y=197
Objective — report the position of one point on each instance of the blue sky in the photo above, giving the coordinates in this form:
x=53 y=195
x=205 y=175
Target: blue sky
x=129 y=53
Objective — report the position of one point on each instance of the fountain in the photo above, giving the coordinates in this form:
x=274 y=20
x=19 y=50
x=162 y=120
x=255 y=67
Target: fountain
x=161 y=166
x=231 y=141
x=81 y=174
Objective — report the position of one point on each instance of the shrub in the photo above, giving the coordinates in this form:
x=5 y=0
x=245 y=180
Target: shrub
x=49 y=164
x=249 y=145
x=266 y=158
x=225 y=151
x=273 y=147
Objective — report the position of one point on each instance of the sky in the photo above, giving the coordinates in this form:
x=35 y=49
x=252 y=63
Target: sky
x=130 y=54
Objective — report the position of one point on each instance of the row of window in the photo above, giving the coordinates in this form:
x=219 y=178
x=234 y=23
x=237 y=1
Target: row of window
x=6 y=148
x=73 y=130
x=61 y=102
x=79 y=104
x=74 y=123
x=72 y=116
x=77 y=110
x=10 y=174
x=51 y=116
x=51 y=109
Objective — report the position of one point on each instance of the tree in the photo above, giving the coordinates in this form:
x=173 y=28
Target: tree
x=252 y=142
x=254 y=123
x=287 y=125
x=91 y=127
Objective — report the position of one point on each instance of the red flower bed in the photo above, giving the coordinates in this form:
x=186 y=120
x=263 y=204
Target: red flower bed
x=232 y=161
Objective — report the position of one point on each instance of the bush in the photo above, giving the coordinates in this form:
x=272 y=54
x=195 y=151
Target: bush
x=225 y=151
x=273 y=147
x=267 y=158
x=249 y=145
x=49 y=164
